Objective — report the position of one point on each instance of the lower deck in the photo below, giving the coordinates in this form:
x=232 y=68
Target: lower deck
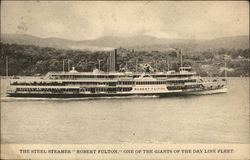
x=160 y=94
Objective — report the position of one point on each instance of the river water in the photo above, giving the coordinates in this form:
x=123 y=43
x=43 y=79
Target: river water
x=219 y=118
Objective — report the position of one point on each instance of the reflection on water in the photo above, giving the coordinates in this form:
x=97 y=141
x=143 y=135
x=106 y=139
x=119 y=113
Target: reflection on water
x=219 y=118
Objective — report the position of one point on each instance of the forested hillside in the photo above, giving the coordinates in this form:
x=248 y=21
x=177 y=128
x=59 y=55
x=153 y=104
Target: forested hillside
x=139 y=42
x=26 y=60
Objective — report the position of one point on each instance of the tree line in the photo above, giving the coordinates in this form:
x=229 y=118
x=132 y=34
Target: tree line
x=29 y=60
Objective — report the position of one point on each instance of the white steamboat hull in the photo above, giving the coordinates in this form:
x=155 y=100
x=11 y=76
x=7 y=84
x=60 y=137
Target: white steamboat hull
x=161 y=94
x=204 y=92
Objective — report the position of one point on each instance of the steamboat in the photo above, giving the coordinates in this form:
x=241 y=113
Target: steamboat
x=72 y=84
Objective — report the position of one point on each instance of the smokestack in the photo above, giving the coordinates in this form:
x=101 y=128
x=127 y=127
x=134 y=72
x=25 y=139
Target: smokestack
x=112 y=62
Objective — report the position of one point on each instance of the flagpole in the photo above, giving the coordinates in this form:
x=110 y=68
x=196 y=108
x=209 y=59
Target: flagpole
x=225 y=68
x=226 y=72
x=63 y=65
x=136 y=65
x=181 y=57
x=168 y=65
x=7 y=72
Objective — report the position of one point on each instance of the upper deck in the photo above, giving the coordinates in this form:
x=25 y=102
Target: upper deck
x=98 y=77
x=116 y=75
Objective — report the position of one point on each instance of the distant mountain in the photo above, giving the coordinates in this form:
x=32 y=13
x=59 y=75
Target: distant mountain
x=25 y=39
x=235 y=42
x=32 y=40
x=141 y=42
x=227 y=42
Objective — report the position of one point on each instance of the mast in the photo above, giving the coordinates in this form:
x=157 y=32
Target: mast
x=63 y=65
x=156 y=66
x=225 y=71
x=107 y=65
x=225 y=68
x=7 y=71
x=168 y=65
x=136 y=65
x=181 y=57
x=165 y=65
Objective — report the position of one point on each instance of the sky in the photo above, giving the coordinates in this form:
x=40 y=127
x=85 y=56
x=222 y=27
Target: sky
x=83 y=20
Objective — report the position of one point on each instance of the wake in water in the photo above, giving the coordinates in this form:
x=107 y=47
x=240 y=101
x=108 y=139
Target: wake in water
x=10 y=99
